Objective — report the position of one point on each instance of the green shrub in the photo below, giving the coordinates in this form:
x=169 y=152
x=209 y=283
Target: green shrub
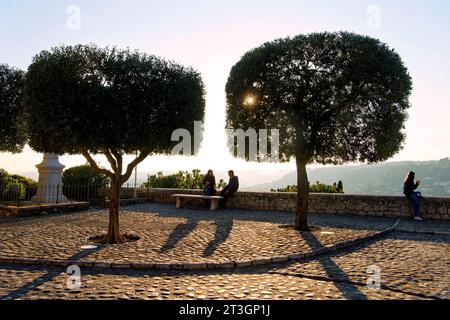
x=83 y=176
x=27 y=182
x=4 y=177
x=16 y=187
x=180 y=180
x=83 y=183
x=316 y=188
x=13 y=191
x=340 y=187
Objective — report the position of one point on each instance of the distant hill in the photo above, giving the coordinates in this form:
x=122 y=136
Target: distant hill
x=380 y=179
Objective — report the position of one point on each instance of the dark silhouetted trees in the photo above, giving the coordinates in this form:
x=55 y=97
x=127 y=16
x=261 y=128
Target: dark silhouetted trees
x=88 y=100
x=335 y=97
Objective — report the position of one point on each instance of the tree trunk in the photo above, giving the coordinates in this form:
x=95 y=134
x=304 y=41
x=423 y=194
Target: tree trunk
x=113 y=236
x=301 y=218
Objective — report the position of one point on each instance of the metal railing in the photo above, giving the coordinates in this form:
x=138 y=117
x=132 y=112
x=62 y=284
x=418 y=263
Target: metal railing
x=19 y=194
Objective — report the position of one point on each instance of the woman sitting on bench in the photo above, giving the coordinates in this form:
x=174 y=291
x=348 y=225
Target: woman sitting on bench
x=209 y=184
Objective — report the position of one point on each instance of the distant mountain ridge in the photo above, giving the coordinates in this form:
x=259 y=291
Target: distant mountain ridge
x=380 y=179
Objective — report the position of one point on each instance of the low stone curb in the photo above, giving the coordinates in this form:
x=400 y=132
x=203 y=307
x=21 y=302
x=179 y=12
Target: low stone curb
x=208 y=265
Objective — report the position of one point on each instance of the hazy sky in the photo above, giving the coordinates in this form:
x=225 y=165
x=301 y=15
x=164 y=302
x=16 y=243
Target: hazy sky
x=211 y=36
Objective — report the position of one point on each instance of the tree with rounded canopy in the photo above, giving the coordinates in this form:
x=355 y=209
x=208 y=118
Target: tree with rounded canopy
x=12 y=135
x=335 y=97
x=89 y=100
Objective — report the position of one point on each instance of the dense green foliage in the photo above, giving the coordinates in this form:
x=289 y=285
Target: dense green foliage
x=5 y=178
x=12 y=131
x=315 y=188
x=15 y=187
x=340 y=187
x=13 y=191
x=88 y=100
x=85 y=97
x=84 y=175
x=4 y=175
x=336 y=97
x=180 y=180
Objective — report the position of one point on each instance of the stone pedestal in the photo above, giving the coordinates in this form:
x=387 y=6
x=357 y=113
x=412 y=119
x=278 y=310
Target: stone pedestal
x=50 y=186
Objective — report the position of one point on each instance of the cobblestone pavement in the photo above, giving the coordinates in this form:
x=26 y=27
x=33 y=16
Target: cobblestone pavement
x=413 y=266
x=409 y=263
x=26 y=283
x=171 y=235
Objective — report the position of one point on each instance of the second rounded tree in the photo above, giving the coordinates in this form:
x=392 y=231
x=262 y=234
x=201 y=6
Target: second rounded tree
x=335 y=97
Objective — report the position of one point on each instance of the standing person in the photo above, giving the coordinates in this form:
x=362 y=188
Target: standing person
x=409 y=188
x=230 y=189
x=209 y=184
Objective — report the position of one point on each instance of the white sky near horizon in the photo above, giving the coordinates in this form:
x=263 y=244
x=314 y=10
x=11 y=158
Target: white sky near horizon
x=211 y=36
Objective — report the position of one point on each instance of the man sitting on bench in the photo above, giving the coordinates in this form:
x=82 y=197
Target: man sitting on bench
x=230 y=189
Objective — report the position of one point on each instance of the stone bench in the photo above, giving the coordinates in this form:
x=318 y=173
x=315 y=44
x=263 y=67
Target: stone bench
x=214 y=200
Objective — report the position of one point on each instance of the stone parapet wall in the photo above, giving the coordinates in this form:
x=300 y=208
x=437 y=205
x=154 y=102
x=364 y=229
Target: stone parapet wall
x=10 y=211
x=437 y=208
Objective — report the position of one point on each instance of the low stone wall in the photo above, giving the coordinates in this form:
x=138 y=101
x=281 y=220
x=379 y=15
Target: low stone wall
x=127 y=202
x=35 y=210
x=437 y=208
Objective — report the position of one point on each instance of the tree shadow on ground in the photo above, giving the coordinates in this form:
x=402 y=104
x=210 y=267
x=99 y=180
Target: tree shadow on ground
x=336 y=275
x=345 y=285
x=349 y=287
x=48 y=276
x=223 y=229
x=224 y=221
x=334 y=271
x=276 y=217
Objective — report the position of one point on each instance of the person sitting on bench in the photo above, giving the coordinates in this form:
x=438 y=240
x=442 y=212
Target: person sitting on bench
x=230 y=189
x=209 y=184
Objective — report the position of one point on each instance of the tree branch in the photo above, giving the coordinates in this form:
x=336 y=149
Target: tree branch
x=144 y=154
x=112 y=161
x=119 y=160
x=94 y=165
